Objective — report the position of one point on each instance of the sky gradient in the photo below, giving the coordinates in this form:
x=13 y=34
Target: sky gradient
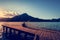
x=45 y=9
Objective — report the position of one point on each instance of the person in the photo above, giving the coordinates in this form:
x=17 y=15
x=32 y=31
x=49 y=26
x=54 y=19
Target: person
x=24 y=25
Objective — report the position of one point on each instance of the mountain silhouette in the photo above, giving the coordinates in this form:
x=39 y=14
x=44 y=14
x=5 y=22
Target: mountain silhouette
x=25 y=18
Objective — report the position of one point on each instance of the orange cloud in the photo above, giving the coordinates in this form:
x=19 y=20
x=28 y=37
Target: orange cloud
x=5 y=14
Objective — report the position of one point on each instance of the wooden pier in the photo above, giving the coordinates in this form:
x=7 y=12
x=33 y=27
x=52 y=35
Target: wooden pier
x=23 y=33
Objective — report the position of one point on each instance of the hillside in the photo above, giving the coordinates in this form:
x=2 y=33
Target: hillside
x=25 y=18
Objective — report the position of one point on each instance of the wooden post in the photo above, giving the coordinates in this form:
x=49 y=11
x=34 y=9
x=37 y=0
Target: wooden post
x=10 y=31
x=36 y=35
x=6 y=30
x=19 y=33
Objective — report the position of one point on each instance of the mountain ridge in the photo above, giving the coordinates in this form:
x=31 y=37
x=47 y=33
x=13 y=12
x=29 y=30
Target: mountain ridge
x=27 y=18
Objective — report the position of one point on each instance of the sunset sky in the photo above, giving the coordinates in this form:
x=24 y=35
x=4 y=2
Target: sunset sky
x=4 y=13
x=46 y=9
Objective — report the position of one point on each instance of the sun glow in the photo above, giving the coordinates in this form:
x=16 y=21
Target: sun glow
x=6 y=13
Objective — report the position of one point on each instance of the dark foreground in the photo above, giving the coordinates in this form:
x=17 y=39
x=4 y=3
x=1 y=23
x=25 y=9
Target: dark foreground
x=21 y=36
x=28 y=36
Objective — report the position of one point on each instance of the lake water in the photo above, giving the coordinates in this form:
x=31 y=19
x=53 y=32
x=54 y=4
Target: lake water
x=46 y=25
x=35 y=25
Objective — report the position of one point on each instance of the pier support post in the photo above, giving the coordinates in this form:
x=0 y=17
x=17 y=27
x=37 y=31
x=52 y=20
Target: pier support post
x=4 y=30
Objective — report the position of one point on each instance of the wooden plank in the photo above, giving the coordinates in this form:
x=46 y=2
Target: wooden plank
x=41 y=33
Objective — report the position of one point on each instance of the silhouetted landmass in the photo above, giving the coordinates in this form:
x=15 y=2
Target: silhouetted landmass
x=5 y=19
x=25 y=17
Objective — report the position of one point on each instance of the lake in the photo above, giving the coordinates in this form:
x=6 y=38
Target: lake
x=46 y=25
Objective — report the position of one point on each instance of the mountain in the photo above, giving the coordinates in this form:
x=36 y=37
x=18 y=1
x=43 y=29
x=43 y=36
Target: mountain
x=5 y=19
x=25 y=18
x=56 y=20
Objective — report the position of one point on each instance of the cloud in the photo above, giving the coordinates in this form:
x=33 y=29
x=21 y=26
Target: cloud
x=7 y=13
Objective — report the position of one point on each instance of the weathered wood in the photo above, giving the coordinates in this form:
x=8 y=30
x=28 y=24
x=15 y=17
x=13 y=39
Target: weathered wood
x=42 y=33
